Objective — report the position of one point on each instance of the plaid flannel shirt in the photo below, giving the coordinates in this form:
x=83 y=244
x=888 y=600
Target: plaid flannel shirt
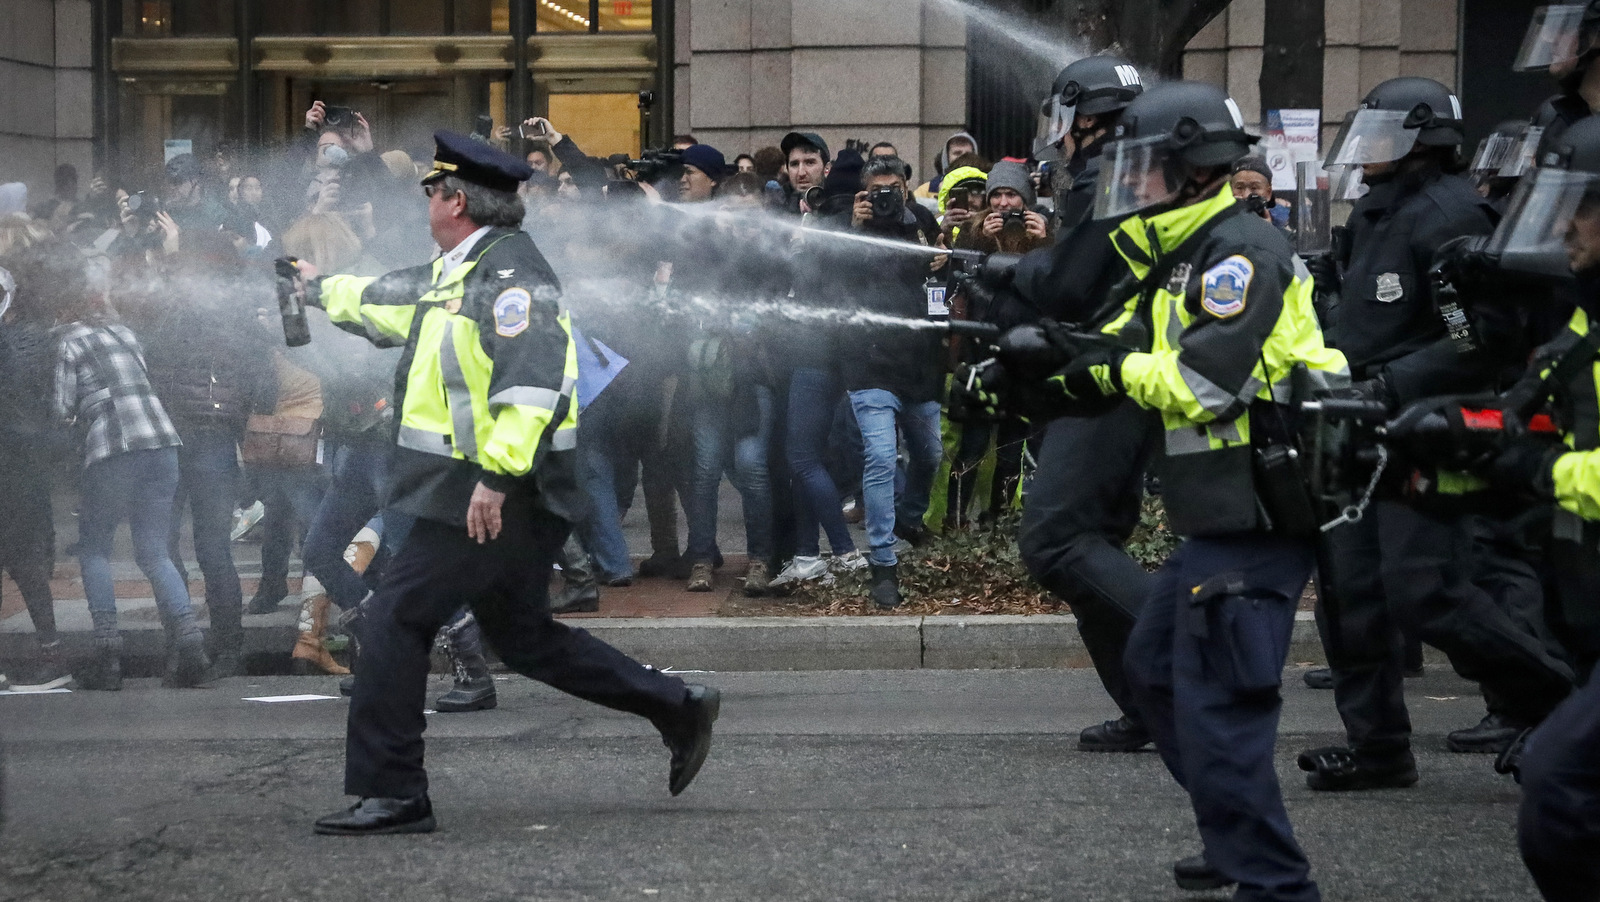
x=102 y=384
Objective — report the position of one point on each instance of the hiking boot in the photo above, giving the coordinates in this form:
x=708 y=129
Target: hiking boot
x=1120 y=735
x=1493 y=735
x=666 y=565
x=800 y=569
x=311 y=655
x=102 y=670
x=886 y=587
x=576 y=600
x=1196 y=875
x=474 y=687
x=914 y=533
x=755 y=579
x=1319 y=678
x=48 y=672
x=187 y=664
x=700 y=577
x=849 y=562
x=1340 y=769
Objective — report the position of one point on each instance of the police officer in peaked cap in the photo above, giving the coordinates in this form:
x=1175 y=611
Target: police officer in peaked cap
x=485 y=460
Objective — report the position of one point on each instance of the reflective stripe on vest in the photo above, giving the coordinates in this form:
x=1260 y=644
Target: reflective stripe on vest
x=460 y=397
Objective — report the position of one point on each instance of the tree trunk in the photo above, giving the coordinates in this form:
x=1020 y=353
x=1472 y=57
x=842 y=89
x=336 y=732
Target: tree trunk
x=1291 y=60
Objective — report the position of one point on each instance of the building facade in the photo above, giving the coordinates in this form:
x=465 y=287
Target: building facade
x=107 y=83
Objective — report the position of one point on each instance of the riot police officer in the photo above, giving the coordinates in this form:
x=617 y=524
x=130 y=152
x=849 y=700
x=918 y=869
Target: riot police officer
x=485 y=441
x=1084 y=500
x=1564 y=39
x=1400 y=565
x=1216 y=316
x=1557 y=213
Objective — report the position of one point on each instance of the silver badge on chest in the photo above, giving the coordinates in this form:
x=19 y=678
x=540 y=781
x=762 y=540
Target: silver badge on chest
x=1389 y=288
x=1179 y=282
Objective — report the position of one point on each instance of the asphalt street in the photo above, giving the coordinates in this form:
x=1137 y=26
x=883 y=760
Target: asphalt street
x=886 y=785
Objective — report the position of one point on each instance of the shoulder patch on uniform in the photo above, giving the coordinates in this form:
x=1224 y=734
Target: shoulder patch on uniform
x=511 y=312
x=1225 y=286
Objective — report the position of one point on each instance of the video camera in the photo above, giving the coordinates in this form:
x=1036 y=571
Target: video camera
x=656 y=165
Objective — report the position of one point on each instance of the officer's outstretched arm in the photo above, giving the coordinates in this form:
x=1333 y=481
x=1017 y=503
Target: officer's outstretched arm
x=531 y=392
x=1213 y=373
x=1576 y=476
x=378 y=309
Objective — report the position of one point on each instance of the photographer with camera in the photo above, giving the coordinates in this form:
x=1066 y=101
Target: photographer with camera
x=346 y=173
x=806 y=163
x=1010 y=226
x=1252 y=186
x=894 y=377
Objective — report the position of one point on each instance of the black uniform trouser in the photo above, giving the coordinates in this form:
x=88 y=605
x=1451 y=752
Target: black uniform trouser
x=1558 y=828
x=1573 y=570
x=1081 y=506
x=1403 y=570
x=506 y=583
x=1205 y=662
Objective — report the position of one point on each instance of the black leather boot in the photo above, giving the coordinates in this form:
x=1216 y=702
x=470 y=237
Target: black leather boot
x=886 y=587
x=1340 y=769
x=474 y=688
x=1492 y=735
x=1120 y=735
x=1196 y=875
x=103 y=669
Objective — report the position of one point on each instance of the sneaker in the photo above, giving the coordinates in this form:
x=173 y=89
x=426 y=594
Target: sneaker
x=801 y=568
x=853 y=562
x=755 y=579
x=700 y=577
x=48 y=672
x=246 y=520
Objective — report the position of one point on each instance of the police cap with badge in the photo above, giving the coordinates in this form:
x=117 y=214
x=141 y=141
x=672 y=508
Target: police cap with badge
x=474 y=161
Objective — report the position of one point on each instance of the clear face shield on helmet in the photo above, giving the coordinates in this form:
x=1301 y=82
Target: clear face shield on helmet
x=1553 y=37
x=1056 y=118
x=1137 y=173
x=1552 y=225
x=8 y=290
x=1372 y=136
x=1506 y=156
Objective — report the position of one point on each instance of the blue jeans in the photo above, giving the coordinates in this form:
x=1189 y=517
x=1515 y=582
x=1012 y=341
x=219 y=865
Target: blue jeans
x=877 y=411
x=813 y=395
x=208 y=480
x=602 y=447
x=353 y=498
x=744 y=457
x=291 y=496
x=137 y=486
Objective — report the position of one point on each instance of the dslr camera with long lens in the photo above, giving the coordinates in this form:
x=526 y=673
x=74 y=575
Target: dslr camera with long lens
x=888 y=204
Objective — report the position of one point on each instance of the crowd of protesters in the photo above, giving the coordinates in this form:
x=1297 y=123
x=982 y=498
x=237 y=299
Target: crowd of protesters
x=143 y=330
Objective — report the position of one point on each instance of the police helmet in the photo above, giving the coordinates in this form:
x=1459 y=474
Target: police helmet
x=1197 y=122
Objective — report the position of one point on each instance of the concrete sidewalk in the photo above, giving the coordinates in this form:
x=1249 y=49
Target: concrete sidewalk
x=694 y=643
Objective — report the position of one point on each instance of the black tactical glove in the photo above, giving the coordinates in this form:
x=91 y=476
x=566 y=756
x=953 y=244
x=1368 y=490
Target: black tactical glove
x=1524 y=465
x=1465 y=261
x=1325 y=272
x=977 y=392
x=1093 y=377
x=1036 y=351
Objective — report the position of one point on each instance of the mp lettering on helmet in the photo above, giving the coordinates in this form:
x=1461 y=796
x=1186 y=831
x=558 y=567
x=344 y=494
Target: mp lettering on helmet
x=1128 y=75
x=511 y=312
x=1225 y=286
x=1238 y=117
